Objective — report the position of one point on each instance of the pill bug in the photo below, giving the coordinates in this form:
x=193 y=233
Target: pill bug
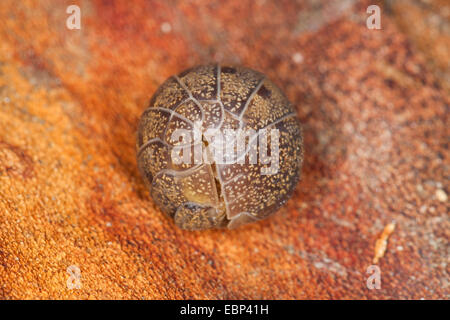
x=218 y=194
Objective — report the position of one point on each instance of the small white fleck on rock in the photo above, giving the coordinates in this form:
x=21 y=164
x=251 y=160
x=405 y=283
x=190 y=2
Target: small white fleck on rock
x=420 y=189
x=109 y=224
x=319 y=265
x=166 y=27
x=423 y=209
x=297 y=57
x=441 y=195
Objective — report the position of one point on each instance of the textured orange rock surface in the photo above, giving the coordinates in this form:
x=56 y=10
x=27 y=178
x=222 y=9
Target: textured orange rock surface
x=376 y=127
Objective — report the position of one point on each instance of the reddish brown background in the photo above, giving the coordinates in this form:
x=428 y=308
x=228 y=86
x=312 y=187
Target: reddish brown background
x=374 y=104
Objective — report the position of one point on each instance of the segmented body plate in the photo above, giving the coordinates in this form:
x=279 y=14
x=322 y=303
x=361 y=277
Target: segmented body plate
x=214 y=195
